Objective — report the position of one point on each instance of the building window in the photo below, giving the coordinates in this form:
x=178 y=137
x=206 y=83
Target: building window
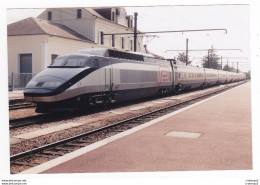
x=117 y=12
x=123 y=43
x=53 y=56
x=101 y=38
x=131 y=45
x=113 y=16
x=26 y=63
x=49 y=16
x=79 y=13
x=130 y=22
x=113 y=40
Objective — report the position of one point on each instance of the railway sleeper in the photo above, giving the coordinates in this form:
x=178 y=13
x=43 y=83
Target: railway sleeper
x=74 y=144
x=53 y=153
x=63 y=149
x=20 y=163
x=84 y=141
x=132 y=122
x=119 y=130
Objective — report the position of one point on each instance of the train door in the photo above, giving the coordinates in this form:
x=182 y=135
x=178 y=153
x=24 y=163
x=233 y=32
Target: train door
x=204 y=76
x=110 y=76
x=176 y=75
x=104 y=75
x=96 y=76
x=107 y=75
x=173 y=73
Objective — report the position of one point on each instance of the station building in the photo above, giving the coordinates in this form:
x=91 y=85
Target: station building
x=33 y=43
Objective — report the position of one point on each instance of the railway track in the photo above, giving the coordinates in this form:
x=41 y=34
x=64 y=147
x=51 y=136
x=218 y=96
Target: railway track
x=21 y=105
x=26 y=121
x=34 y=157
x=46 y=118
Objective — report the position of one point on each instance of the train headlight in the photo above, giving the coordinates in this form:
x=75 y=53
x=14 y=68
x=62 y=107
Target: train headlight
x=44 y=84
x=51 y=84
x=32 y=84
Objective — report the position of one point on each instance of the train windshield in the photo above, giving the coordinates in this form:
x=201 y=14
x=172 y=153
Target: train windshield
x=70 y=61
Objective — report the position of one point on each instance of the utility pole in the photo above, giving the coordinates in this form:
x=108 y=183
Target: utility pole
x=135 y=31
x=187 y=43
x=221 y=62
x=208 y=58
x=227 y=65
x=237 y=67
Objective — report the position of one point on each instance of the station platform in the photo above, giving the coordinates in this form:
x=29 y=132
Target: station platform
x=15 y=95
x=214 y=134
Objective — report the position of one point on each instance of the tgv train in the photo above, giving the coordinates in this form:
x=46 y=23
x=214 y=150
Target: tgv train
x=103 y=76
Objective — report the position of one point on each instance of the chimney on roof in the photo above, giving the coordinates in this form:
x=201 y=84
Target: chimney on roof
x=145 y=47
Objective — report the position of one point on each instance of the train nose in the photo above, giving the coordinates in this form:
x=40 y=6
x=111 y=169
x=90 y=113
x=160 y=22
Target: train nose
x=43 y=85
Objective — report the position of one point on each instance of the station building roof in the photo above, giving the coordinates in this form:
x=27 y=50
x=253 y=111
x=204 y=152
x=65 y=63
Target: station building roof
x=36 y=26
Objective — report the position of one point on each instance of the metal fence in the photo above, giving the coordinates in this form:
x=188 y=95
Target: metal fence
x=19 y=80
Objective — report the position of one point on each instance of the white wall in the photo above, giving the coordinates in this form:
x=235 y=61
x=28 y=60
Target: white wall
x=33 y=44
x=41 y=47
x=68 y=17
x=61 y=46
x=91 y=27
x=110 y=28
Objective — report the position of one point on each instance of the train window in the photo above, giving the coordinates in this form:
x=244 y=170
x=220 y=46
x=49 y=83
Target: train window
x=71 y=61
x=76 y=61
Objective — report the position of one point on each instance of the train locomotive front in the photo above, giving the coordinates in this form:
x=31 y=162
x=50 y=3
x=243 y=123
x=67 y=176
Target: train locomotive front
x=60 y=86
x=98 y=76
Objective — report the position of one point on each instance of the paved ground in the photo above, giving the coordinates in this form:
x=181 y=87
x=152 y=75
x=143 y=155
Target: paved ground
x=214 y=135
x=17 y=94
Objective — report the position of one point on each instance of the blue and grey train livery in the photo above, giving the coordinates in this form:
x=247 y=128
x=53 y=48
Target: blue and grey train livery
x=103 y=76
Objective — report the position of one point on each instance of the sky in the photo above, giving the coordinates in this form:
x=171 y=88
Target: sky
x=173 y=18
x=194 y=18
x=243 y=32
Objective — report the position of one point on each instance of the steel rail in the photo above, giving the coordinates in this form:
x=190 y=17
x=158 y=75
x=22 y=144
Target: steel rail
x=21 y=106
x=13 y=123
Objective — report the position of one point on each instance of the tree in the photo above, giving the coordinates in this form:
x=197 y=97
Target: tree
x=229 y=68
x=248 y=74
x=182 y=57
x=211 y=60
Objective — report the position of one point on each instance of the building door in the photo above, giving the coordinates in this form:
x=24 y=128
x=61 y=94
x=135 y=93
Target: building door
x=25 y=63
x=25 y=69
